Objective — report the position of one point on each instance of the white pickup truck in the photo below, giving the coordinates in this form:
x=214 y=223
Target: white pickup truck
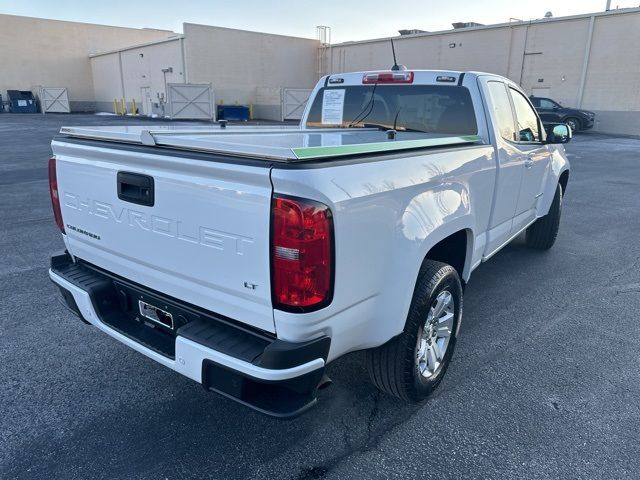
x=248 y=258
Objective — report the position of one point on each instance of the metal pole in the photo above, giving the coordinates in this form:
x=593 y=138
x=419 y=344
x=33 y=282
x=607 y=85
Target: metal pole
x=608 y=5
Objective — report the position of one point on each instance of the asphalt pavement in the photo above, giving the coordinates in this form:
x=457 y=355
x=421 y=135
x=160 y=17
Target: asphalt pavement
x=544 y=383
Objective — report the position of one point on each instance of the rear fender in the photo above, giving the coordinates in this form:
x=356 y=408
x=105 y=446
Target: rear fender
x=430 y=218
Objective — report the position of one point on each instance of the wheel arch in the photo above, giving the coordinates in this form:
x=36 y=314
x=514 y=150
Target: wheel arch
x=564 y=181
x=574 y=117
x=454 y=249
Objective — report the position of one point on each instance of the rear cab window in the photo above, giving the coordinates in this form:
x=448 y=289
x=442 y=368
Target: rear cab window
x=422 y=108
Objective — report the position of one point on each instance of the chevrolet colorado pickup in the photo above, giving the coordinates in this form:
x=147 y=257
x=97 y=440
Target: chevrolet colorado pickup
x=248 y=258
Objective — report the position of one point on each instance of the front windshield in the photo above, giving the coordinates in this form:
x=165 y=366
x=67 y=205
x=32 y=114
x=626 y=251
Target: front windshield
x=423 y=108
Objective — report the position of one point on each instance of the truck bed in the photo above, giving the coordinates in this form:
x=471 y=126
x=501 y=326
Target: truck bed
x=275 y=143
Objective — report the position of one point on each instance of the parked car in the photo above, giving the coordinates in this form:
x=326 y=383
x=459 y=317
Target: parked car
x=247 y=258
x=551 y=111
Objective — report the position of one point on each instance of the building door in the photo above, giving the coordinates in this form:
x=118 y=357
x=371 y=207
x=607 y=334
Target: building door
x=147 y=108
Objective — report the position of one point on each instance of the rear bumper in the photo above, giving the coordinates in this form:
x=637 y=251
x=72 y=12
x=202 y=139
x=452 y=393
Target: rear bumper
x=275 y=377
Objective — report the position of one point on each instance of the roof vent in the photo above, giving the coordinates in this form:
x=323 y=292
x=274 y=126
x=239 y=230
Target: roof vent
x=411 y=31
x=458 y=25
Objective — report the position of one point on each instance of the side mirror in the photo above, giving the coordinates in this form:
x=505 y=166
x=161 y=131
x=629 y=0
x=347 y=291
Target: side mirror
x=557 y=132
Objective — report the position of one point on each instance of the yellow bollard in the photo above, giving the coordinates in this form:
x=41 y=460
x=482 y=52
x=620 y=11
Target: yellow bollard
x=122 y=107
x=115 y=106
x=133 y=107
x=250 y=110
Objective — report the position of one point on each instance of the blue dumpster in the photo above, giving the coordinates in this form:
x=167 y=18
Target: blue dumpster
x=22 y=101
x=238 y=113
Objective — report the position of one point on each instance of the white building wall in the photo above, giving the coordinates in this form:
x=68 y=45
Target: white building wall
x=123 y=74
x=142 y=67
x=54 y=53
x=248 y=67
x=553 y=58
x=107 y=83
x=612 y=87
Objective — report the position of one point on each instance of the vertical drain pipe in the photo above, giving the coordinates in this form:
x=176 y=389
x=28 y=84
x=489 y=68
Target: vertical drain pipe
x=124 y=94
x=524 y=53
x=585 y=62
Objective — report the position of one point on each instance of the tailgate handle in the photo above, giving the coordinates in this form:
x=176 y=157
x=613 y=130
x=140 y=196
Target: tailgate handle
x=135 y=188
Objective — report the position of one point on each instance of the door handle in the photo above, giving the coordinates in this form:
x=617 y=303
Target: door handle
x=136 y=188
x=528 y=163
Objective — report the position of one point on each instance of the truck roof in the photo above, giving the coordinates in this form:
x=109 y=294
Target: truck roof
x=420 y=77
x=278 y=143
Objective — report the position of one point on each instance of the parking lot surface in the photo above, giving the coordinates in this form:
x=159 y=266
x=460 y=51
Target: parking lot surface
x=544 y=383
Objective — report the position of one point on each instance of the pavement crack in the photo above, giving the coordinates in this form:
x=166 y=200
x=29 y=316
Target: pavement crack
x=373 y=414
x=633 y=266
x=345 y=434
x=373 y=436
x=630 y=288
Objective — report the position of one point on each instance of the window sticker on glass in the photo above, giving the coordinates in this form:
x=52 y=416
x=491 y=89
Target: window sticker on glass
x=332 y=106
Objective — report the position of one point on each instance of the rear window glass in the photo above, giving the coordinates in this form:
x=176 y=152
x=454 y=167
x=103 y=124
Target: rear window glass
x=425 y=108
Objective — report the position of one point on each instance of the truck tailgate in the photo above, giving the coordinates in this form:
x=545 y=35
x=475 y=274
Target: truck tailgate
x=201 y=235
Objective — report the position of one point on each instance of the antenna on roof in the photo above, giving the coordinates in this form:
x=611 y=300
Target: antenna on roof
x=395 y=67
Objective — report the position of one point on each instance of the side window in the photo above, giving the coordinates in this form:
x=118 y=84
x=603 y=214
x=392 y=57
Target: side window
x=528 y=129
x=502 y=110
x=545 y=103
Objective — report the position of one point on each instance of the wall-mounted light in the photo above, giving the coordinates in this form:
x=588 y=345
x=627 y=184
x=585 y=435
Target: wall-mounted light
x=452 y=45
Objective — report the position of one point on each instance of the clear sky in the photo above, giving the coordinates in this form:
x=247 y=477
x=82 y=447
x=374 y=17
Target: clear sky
x=349 y=20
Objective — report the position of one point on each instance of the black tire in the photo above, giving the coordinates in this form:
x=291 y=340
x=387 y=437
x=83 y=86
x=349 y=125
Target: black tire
x=542 y=234
x=393 y=367
x=574 y=124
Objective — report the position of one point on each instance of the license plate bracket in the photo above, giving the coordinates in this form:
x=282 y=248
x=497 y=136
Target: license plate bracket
x=156 y=314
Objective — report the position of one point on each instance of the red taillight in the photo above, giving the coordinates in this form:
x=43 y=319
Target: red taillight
x=301 y=254
x=53 y=190
x=388 y=77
